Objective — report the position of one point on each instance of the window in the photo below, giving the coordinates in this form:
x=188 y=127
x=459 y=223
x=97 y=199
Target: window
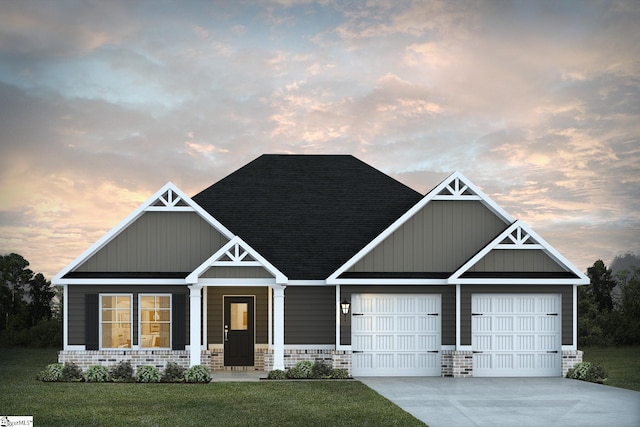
x=155 y=321
x=115 y=321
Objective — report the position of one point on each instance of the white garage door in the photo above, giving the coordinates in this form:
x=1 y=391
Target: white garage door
x=395 y=335
x=516 y=335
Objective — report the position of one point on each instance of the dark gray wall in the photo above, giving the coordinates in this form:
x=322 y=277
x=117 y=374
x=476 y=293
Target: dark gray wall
x=567 y=305
x=448 y=301
x=310 y=315
x=438 y=238
x=76 y=306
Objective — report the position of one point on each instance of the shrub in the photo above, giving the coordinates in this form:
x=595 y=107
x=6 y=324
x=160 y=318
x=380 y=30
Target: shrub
x=586 y=371
x=71 y=372
x=97 y=374
x=122 y=372
x=52 y=372
x=277 y=374
x=340 y=374
x=173 y=373
x=148 y=374
x=197 y=374
x=302 y=370
x=321 y=369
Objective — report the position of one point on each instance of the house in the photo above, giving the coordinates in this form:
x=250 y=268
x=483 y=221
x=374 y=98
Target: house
x=297 y=257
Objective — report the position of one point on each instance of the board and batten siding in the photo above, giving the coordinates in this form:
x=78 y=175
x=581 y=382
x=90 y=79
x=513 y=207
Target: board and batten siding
x=439 y=238
x=236 y=273
x=215 y=311
x=76 y=306
x=566 y=291
x=310 y=315
x=158 y=242
x=521 y=260
x=448 y=307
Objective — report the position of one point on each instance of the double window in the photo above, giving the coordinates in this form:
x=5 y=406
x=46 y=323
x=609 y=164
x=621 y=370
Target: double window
x=117 y=321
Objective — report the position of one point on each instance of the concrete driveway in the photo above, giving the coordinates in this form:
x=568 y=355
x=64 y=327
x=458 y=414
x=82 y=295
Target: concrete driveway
x=510 y=401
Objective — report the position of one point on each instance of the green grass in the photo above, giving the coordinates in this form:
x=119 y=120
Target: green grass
x=318 y=403
x=622 y=364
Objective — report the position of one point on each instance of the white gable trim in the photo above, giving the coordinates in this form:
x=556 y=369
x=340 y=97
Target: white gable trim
x=234 y=254
x=168 y=198
x=454 y=187
x=519 y=236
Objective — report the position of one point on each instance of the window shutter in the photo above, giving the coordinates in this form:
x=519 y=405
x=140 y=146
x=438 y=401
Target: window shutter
x=179 y=321
x=91 y=322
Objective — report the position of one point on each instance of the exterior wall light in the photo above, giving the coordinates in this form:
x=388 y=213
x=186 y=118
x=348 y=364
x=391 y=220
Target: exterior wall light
x=344 y=305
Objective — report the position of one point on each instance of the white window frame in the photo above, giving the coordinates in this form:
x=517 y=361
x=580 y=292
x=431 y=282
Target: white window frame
x=140 y=321
x=100 y=323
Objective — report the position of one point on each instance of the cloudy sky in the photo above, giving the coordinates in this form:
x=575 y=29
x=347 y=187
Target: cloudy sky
x=102 y=103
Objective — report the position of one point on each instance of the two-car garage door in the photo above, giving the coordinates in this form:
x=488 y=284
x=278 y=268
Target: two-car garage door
x=516 y=335
x=395 y=335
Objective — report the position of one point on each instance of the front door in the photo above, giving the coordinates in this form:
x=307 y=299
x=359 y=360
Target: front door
x=238 y=331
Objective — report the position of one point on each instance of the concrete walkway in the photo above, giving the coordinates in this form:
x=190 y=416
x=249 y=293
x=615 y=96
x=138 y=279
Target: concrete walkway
x=517 y=402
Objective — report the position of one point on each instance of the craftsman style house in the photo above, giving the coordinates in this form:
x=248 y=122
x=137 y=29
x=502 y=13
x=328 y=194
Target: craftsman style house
x=297 y=257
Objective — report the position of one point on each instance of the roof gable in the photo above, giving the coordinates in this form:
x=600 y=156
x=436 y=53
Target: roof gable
x=307 y=214
x=168 y=199
x=520 y=237
x=456 y=187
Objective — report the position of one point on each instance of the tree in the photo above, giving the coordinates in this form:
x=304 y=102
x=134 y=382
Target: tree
x=602 y=285
x=41 y=294
x=14 y=275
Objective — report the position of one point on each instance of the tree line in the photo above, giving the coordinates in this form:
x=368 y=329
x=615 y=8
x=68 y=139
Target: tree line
x=29 y=310
x=609 y=307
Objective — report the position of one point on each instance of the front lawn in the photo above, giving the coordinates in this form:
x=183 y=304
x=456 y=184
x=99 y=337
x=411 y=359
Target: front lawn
x=318 y=403
x=622 y=363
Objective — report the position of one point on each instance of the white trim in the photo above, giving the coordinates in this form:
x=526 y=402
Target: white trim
x=65 y=317
x=308 y=283
x=133 y=216
x=447 y=348
x=336 y=307
x=465 y=348
x=458 y=316
x=309 y=347
x=278 y=327
x=434 y=282
x=568 y=348
x=574 y=345
x=75 y=348
x=270 y=319
x=455 y=179
x=237 y=282
x=233 y=250
x=205 y=311
x=121 y=281
x=195 y=324
x=519 y=226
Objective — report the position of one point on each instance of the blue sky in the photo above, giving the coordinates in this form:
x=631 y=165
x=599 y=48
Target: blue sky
x=101 y=103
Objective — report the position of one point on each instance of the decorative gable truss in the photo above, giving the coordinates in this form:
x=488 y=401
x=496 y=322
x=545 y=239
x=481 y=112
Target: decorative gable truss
x=169 y=198
x=517 y=237
x=236 y=253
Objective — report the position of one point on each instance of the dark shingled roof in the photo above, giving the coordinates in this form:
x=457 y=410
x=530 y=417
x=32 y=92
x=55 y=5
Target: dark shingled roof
x=307 y=214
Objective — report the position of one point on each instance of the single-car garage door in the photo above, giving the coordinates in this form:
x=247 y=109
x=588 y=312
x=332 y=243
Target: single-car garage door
x=516 y=335
x=395 y=335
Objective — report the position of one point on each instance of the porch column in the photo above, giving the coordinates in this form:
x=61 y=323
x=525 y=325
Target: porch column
x=195 y=323
x=278 y=327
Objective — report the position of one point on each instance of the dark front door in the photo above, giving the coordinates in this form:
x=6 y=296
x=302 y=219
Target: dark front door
x=238 y=331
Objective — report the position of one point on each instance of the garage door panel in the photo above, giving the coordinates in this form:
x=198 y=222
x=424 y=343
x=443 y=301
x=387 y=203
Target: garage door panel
x=516 y=335
x=402 y=338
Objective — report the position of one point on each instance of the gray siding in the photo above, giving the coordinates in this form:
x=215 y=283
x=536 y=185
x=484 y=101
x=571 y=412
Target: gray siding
x=448 y=301
x=237 y=273
x=76 y=302
x=158 y=242
x=438 y=238
x=567 y=305
x=310 y=315
x=521 y=260
x=215 y=311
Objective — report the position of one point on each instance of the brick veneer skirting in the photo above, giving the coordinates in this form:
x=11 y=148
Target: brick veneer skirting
x=569 y=359
x=157 y=358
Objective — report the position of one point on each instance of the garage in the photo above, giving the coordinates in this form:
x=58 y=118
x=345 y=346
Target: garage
x=396 y=334
x=516 y=335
